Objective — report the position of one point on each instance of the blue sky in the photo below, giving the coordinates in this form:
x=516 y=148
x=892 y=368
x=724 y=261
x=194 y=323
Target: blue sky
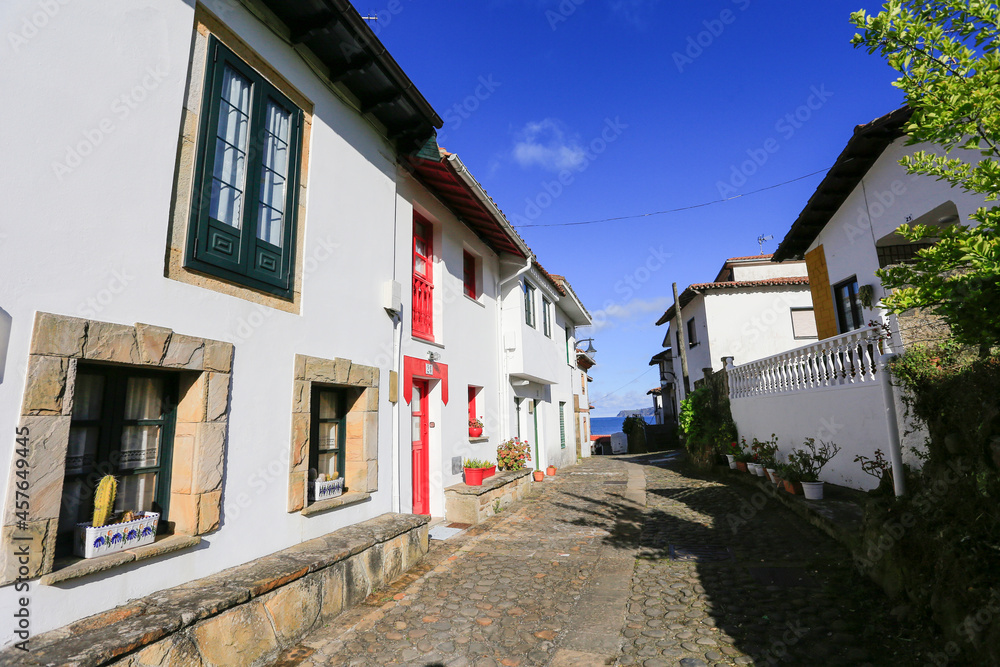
x=584 y=110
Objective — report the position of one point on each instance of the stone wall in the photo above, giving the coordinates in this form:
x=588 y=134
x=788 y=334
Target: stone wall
x=58 y=344
x=245 y=615
x=361 y=446
x=475 y=504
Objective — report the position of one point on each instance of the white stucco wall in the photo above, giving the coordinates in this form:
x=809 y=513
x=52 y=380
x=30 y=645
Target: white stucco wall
x=764 y=270
x=747 y=324
x=852 y=417
x=886 y=198
x=466 y=336
x=91 y=243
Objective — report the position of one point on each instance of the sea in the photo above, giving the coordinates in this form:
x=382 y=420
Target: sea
x=605 y=425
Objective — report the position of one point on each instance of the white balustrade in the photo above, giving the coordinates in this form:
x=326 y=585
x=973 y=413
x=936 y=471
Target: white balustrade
x=845 y=360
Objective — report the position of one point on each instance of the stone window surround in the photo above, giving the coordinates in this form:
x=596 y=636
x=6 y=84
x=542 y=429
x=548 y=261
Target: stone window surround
x=207 y=24
x=58 y=344
x=361 y=455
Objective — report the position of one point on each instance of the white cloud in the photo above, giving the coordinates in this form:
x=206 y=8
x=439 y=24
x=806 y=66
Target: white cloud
x=546 y=144
x=636 y=309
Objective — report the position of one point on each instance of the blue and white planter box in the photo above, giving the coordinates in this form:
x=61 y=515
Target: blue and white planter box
x=331 y=488
x=92 y=542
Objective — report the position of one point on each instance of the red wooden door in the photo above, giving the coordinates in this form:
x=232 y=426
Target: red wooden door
x=421 y=459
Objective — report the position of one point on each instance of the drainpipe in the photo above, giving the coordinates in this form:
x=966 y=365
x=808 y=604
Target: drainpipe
x=504 y=380
x=397 y=350
x=892 y=426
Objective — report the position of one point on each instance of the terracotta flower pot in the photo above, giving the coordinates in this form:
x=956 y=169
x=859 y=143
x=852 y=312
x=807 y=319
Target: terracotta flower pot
x=550 y=471
x=538 y=475
x=792 y=487
x=741 y=466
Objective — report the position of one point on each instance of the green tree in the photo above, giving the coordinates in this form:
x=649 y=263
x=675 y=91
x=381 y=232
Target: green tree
x=946 y=54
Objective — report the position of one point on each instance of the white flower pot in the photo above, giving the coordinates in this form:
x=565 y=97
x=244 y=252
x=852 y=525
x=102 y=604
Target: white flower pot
x=330 y=488
x=812 y=490
x=92 y=542
x=770 y=474
x=732 y=461
x=760 y=471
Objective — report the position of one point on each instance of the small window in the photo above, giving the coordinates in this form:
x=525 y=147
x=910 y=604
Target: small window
x=328 y=432
x=547 y=317
x=845 y=295
x=529 y=304
x=243 y=219
x=692 y=333
x=803 y=323
x=122 y=425
x=562 y=425
x=469 y=275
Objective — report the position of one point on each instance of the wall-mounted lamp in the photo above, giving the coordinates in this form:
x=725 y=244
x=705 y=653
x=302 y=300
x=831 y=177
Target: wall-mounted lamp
x=433 y=356
x=590 y=346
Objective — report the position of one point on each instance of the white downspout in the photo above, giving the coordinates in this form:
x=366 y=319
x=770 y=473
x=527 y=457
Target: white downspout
x=504 y=379
x=892 y=426
x=397 y=350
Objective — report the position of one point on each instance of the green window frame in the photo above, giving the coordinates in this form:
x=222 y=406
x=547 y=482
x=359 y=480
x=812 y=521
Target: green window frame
x=547 y=317
x=329 y=415
x=100 y=429
x=568 y=359
x=529 y=304
x=562 y=425
x=245 y=199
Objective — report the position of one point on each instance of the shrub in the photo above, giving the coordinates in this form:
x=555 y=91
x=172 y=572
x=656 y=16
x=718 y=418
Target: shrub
x=706 y=422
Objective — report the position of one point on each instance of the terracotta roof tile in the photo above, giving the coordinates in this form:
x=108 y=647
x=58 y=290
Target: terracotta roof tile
x=735 y=259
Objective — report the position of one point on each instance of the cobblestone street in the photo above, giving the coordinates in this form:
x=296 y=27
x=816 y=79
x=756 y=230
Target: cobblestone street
x=581 y=573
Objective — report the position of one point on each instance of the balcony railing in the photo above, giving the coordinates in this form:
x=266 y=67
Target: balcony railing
x=423 y=308
x=845 y=360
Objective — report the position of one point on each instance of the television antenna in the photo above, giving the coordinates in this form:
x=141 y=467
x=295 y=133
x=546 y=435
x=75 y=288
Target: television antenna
x=761 y=239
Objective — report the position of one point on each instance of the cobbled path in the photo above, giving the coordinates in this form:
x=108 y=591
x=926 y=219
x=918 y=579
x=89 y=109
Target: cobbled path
x=580 y=574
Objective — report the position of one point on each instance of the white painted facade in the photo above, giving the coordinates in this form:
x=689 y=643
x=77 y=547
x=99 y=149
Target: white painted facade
x=745 y=322
x=894 y=197
x=541 y=367
x=91 y=197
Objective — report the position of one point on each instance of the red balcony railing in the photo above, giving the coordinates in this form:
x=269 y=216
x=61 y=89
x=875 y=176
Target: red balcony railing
x=423 y=308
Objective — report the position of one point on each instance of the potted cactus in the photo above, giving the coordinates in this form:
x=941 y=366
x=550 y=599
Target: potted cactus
x=323 y=486
x=102 y=536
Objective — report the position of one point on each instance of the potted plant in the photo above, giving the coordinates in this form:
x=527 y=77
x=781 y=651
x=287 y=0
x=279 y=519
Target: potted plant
x=809 y=462
x=550 y=471
x=789 y=476
x=742 y=460
x=323 y=486
x=475 y=428
x=538 y=475
x=100 y=536
x=474 y=471
x=512 y=454
x=765 y=453
x=731 y=453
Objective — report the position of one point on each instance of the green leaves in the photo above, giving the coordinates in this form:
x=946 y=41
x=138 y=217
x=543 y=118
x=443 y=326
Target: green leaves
x=946 y=52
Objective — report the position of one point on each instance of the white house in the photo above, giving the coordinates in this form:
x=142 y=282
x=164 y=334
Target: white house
x=213 y=292
x=540 y=316
x=834 y=389
x=753 y=308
